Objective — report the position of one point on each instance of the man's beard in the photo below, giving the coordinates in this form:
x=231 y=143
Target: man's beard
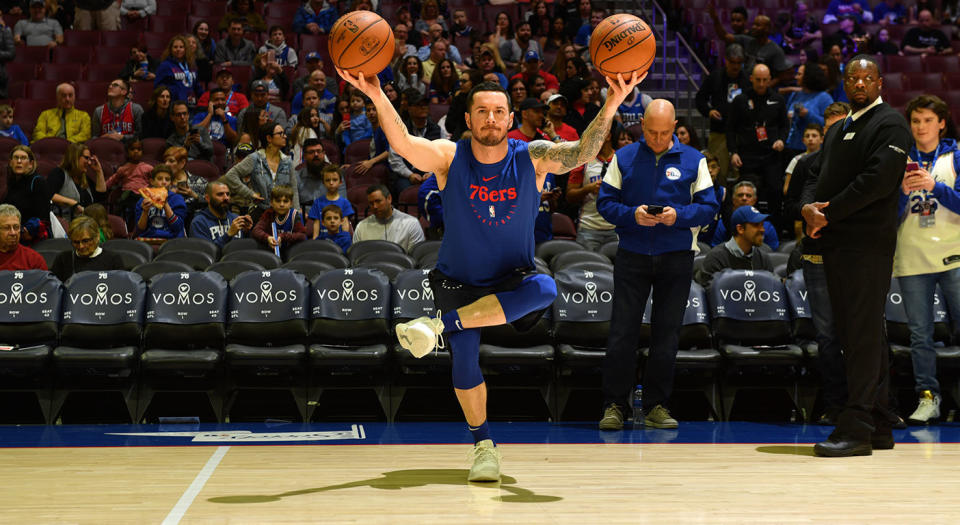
x=495 y=140
x=315 y=167
x=220 y=207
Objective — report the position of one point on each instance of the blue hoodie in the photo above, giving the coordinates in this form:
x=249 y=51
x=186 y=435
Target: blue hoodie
x=158 y=226
x=680 y=179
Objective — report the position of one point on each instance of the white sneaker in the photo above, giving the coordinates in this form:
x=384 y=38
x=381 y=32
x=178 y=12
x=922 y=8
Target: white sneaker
x=486 y=462
x=928 y=409
x=421 y=335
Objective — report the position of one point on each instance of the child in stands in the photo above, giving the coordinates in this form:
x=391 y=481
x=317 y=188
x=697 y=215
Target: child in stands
x=332 y=179
x=332 y=220
x=162 y=214
x=8 y=128
x=288 y=221
x=131 y=176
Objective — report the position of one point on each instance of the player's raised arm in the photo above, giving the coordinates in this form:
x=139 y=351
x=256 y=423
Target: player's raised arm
x=549 y=157
x=425 y=155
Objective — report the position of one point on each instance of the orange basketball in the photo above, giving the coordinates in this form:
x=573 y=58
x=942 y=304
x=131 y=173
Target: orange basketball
x=361 y=41
x=622 y=43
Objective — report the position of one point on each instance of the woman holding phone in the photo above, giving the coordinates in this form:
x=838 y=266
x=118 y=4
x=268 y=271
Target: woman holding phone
x=928 y=241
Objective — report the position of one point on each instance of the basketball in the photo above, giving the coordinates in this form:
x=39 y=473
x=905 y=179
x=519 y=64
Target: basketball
x=361 y=42
x=622 y=43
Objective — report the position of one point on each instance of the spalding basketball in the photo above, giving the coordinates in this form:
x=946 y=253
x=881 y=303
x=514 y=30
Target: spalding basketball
x=622 y=43
x=361 y=41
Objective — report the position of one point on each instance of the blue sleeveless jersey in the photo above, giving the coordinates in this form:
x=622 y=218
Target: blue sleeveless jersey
x=489 y=216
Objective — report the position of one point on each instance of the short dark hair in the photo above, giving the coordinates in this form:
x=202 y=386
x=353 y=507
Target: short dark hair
x=379 y=187
x=487 y=86
x=274 y=28
x=216 y=90
x=331 y=208
x=937 y=106
x=739 y=10
x=281 y=191
x=814 y=126
x=837 y=109
x=331 y=168
x=176 y=103
x=160 y=168
x=309 y=143
x=265 y=131
x=815 y=78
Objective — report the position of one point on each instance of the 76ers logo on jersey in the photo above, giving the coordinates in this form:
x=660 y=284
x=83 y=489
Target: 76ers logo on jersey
x=493 y=206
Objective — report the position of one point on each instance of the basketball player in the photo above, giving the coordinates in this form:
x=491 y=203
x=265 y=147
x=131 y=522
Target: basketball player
x=490 y=187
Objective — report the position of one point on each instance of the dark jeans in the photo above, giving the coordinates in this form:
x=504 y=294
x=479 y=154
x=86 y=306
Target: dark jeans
x=859 y=283
x=832 y=375
x=634 y=275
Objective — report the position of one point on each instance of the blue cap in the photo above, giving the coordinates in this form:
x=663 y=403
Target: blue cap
x=313 y=55
x=745 y=214
x=531 y=55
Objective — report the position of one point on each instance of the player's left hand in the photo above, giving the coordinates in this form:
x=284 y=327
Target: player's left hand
x=668 y=217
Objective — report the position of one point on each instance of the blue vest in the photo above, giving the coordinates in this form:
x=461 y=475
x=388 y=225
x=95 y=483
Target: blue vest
x=489 y=215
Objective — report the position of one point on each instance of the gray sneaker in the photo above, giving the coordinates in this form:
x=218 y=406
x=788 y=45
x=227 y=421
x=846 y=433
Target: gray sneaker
x=486 y=462
x=928 y=409
x=612 y=418
x=659 y=417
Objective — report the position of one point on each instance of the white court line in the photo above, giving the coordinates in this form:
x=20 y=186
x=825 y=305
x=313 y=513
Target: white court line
x=176 y=514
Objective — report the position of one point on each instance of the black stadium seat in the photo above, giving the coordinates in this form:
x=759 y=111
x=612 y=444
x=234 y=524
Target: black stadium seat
x=360 y=248
x=148 y=270
x=310 y=269
x=191 y=244
x=548 y=249
x=196 y=260
x=231 y=269
x=333 y=259
x=268 y=260
x=565 y=259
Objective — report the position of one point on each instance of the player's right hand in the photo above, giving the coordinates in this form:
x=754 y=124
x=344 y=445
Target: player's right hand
x=368 y=86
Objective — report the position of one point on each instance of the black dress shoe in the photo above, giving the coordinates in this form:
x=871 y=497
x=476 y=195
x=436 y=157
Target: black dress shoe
x=842 y=447
x=882 y=440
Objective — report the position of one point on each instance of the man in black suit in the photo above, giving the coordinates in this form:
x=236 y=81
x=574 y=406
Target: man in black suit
x=859 y=174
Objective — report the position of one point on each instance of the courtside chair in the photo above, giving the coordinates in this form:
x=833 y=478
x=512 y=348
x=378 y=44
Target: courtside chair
x=313 y=245
x=546 y=250
x=266 y=332
x=100 y=337
x=805 y=335
x=268 y=260
x=562 y=260
x=412 y=297
x=361 y=248
x=236 y=245
x=751 y=323
x=337 y=260
x=196 y=260
x=183 y=338
x=155 y=267
x=698 y=362
x=309 y=269
x=399 y=258
x=191 y=244
x=231 y=269
x=581 y=324
x=350 y=335
x=29 y=322
x=424 y=248
x=610 y=249
x=390 y=269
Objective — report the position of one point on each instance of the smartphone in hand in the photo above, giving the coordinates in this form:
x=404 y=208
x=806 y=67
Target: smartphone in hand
x=654 y=209
x=912 y=166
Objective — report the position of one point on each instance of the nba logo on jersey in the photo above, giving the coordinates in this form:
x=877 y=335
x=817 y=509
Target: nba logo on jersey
x=493 y=212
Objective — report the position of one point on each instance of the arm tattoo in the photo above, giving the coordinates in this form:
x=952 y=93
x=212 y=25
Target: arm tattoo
x=572 y=154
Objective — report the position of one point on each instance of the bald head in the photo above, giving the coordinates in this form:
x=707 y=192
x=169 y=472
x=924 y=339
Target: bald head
x=760 y=79
x=66 y=96
x=761 y=27
x=659 y=122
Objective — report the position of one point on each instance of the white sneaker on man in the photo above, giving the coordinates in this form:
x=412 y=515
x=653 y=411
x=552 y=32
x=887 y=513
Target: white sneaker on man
x=928 y=409
x=486 y=462
x=421 y=335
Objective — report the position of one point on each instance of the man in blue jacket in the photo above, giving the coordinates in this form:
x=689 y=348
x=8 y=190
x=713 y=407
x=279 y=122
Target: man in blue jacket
x=658 y=193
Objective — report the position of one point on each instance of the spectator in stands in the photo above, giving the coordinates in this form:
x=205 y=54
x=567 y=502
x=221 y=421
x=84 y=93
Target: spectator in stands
x=402 y=34
x=86 y=255
x=235 y=50
x=13 y=255
x=283 y=216
x=102 y=15
x=807 y=105
x=132 y=176
x=582 y=40
x=491 y=65
x=357 y=127
x=654 y=252
x=98 y=213
x=243 y=11
x=687 y=134
x=236 y=100
x=158 y=222
x=119 y=118
x=713 y=165
x=284 y=55
x=201 y=30
x=502 y=28
x=881 y=44
x=436 y=35
x=216 y=223
x=137 y=9
x=757 y=129
x=249 y=126
x=379 y=147
x=333 y=184
x=539 y=18
x=757 y=46
x=859 y=10
x=27 y=191
x=926 y=241
x=437 y=54
x=531 y=121
x=325 y=98
x=156 y=121
x=188 y=185
x=272 y=75
x=926 y=39
x=308 y=126
x=556 y=112
x=387 y=223
x=745 y=194
x=583 y=110
x=7 y=52
x=332 y=228
x=140 y=66
x=456 y=124
x=714 y=101
x=38 y=30
x=583 y=185
x=195 y=138
x=315 y=17
x=313 y=61
x=418 y=124
x=259 y=94
x=178 y=70
x=443 y=82
x=429 y=15
x=8 y=128
x=518 y=93
x=267 y=167
x=913 y=12
x=310 y=174
x=203 y=61
x=834 y=79
x=889 y=12
x=461 y=26
x=812 y=140
x=566 y=53
x=804 y=29
x=70 y=182
x=738 y=20
x=740 y=252
x=220 y=124
x=514 y=51
x=533 y=67
x=849 y=36
x=411 y=75
x=64 y=121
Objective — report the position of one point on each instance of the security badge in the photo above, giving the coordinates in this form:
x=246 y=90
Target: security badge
x=761 y=133
x=927 y=218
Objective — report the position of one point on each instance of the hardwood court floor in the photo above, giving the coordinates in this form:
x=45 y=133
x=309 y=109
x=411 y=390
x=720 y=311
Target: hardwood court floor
x=543 y=483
